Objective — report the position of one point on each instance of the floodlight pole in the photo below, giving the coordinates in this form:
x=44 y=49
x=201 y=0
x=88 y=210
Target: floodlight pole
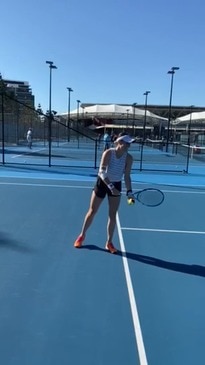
x=171 y=72
x=78 y=104
x=127 y=110
x=133 y=122
x=68 y=119
x=189 y=139
x=2 y=87
x=144 y=127
x=50 y=117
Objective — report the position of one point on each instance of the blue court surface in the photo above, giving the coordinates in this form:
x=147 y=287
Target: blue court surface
x=61 y=305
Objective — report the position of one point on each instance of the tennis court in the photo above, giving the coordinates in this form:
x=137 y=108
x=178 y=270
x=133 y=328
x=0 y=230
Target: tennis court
x=143 y=306
x=83 y=152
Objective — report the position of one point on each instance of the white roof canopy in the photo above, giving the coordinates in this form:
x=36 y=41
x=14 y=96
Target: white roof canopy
x=115 y=111
x=193 y=117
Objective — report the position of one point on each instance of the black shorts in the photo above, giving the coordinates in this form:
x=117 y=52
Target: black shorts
x=101 y=189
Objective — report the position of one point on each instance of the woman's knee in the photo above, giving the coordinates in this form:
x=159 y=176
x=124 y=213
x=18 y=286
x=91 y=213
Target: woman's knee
x=112 y=215
x=92 y=211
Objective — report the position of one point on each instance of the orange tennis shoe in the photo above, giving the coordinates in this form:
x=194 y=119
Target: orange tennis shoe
x=79 y=241
x=110 y=247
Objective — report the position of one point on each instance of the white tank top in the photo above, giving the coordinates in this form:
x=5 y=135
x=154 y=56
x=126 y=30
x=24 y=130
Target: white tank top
x=116 y=166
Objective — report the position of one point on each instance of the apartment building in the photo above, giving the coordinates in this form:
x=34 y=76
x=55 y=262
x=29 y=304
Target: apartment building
x=21 y=90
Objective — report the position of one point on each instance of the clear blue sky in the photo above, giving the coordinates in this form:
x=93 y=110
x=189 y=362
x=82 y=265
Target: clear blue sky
x=108 y=51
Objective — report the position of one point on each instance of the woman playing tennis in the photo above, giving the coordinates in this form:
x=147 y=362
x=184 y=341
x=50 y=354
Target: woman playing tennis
x=115 y=163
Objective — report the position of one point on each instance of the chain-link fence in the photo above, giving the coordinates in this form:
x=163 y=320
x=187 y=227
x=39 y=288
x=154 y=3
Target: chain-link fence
x=57 y=142
x=53 y=141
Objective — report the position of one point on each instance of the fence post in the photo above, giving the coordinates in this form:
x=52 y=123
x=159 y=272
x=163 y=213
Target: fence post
x=3 y=137
x=96 y=148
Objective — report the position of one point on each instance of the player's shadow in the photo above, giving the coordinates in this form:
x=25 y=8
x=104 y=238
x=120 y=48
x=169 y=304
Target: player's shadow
x=6 y=242
x=197 y=270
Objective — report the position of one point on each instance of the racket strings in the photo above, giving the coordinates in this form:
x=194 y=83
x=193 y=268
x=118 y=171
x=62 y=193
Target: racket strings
x=150 y=197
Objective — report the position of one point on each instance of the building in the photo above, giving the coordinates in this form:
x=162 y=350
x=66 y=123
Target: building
x=21 y=91
x=17 y=110
x=131 y=118
x=160 y=110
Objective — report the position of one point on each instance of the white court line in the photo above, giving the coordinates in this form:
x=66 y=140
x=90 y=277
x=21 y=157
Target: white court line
x=135 y=316
x=183 y=192
x=77 y=186
x=191 y=191
x=27 y=153
x=161 y=230
x=47 y=185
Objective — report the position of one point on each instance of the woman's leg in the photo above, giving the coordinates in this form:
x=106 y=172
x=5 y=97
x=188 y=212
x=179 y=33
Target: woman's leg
x=95 y=202
x=114 y=202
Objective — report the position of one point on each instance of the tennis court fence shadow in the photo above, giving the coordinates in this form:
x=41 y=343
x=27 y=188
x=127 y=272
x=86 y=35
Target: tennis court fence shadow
x=196 y=270
x=9 y=243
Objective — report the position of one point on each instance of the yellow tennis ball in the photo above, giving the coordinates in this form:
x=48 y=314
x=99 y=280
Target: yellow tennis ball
x=130 y=201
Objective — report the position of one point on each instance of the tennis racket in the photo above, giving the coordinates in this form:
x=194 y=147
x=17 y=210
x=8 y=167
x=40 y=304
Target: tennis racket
x=150 y=197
